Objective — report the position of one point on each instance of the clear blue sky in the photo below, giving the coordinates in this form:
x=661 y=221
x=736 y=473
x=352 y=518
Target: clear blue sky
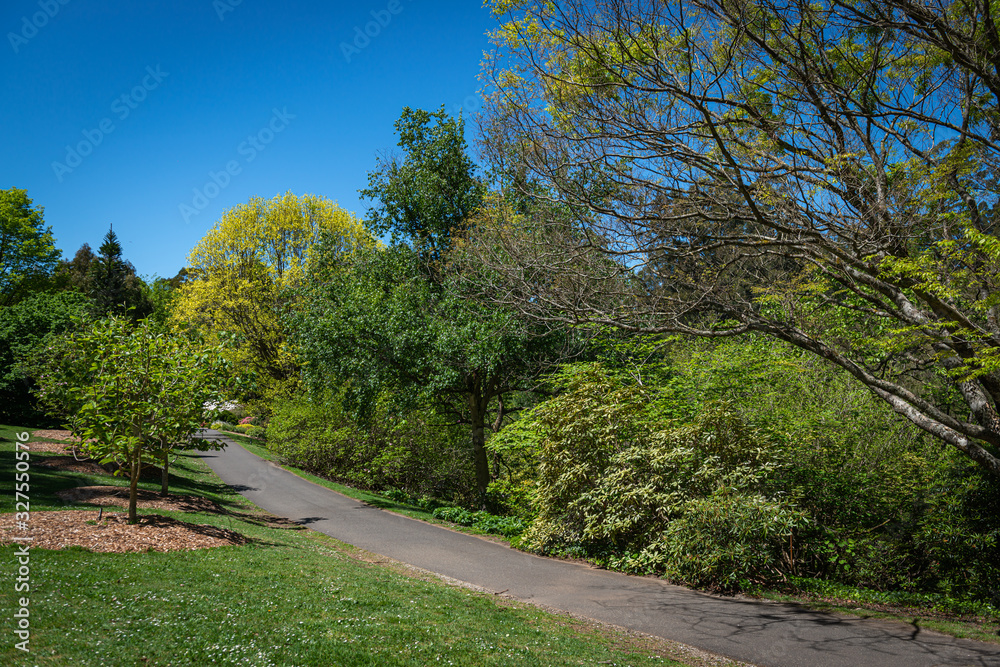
x=153 y=97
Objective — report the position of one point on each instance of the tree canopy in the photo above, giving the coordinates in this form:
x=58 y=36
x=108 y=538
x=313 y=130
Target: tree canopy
x=430 y=193
x=824 y=173
x=239 y=274
x=27 y=248
x=379 y=325
x=134 y=392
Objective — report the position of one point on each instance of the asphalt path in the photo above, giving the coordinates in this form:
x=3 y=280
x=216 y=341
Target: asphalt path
x=762 y=633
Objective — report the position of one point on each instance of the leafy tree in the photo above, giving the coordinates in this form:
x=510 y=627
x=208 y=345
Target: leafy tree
x=429 y=194
x=114 y=287
x=27 y=248
x=239 y=275
x=395 y=320
x=822 y=173
x=26 y=327
x=133 y=392
x=75 y=273
x=379 y=325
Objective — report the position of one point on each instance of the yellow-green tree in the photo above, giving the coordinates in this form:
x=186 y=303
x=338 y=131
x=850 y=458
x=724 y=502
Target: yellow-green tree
x=242 y=270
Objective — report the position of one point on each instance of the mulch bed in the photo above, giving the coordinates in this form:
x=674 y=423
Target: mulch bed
x=72 y=464
x=113 y=534
x=52 y=434
x=36 y=447
x=117 y=496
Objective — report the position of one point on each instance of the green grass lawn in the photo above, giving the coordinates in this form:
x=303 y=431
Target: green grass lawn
x=289 y=597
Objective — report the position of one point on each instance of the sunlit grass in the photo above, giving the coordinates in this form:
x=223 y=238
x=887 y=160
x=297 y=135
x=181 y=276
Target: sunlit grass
x=290 y=597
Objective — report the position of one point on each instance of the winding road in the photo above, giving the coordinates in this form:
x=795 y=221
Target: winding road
x=762 y=633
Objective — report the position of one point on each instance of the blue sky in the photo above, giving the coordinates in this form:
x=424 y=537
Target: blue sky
x=157 y=116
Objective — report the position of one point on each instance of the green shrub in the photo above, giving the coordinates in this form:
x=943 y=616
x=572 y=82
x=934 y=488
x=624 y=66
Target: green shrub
x=728 y=541
x=628 y=490
x=484 y=521
x=459 y=515
x=398 y=495
x=892 y=509
x=258 y=432
x=405 y=452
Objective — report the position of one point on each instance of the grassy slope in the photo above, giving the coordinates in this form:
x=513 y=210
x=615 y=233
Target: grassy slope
x=289 y=597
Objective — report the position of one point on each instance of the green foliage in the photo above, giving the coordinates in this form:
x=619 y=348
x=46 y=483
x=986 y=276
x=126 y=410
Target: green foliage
x=429 y=195
x=379 y=325
x=728 y=541
x=694 y=501
x=774 y=210
x=253 y=431
x=484 y=521
x=25 y=328
x=131 y=391
x=892 y=509
x=937 y=602
x=744 y=463
x=27 y=248
x=161 y=294
x=242 y=273
x=74 y=274
x=410 y=451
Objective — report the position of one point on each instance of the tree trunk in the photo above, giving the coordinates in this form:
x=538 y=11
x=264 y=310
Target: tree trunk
x=165 y=474
x=133 y=489
x=477 y=409
x=496 y=429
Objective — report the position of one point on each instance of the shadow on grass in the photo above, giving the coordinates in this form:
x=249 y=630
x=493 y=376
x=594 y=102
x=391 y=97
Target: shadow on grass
x=46 y=482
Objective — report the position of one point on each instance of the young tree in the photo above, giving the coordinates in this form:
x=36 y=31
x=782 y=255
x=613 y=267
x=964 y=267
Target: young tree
x=27 y=248
x=133 y=392
x=821 y=172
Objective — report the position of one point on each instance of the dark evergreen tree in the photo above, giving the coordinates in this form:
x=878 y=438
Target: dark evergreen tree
x=114 y=287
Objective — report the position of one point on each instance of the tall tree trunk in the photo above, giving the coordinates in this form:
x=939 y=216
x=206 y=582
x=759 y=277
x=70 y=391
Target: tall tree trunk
x=477 y=409
x=496 y=429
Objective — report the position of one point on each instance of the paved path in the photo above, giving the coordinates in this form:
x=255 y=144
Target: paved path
x=768 y=634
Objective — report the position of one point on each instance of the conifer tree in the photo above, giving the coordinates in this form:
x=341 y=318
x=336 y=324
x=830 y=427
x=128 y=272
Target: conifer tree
x=114 y=287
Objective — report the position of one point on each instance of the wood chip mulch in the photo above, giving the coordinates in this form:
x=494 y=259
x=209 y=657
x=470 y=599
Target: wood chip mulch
x=36 y=447
x=72 y=464
x=54 y=441
x=113 y=534
x=52 y=434
x=117 y=496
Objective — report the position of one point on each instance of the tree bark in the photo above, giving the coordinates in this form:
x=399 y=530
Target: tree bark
x=133 y=489
x=477 y=410
x=165 y=474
